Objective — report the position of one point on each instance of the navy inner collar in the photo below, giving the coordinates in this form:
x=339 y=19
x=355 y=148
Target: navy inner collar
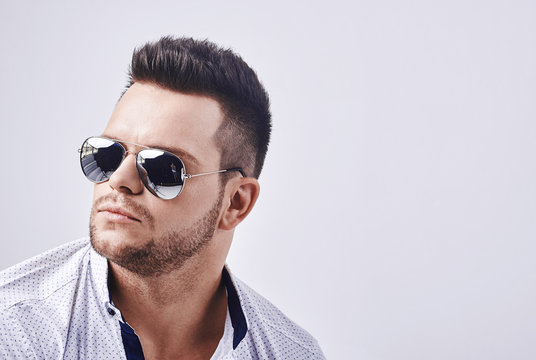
x=238 y=318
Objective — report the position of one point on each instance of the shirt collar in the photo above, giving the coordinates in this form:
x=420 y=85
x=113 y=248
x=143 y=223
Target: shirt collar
x=238 y=319
x=99 y=274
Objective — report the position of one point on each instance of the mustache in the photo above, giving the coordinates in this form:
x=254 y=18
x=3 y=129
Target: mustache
x=140 y=211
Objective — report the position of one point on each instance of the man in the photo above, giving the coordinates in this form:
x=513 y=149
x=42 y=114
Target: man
x=175 y=172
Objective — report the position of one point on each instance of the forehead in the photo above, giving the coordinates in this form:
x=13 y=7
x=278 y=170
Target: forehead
x=150 y=115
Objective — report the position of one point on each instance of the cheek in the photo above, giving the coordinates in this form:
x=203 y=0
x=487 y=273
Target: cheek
x=194 y=200
x=180 y=212
x=165 y=212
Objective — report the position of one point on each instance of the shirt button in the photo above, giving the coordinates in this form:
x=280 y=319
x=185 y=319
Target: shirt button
x=111 y=311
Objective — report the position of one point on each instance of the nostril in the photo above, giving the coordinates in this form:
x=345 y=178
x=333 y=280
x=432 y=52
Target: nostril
x=126 y=178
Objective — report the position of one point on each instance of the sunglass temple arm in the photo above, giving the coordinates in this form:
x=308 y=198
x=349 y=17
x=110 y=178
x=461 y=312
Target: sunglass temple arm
x=189 y=176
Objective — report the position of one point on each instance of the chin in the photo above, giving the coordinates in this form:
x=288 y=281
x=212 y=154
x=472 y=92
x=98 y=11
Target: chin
x=110 y=243
x=104 y=245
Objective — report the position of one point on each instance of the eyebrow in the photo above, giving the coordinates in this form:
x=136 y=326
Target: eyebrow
x=183 y=154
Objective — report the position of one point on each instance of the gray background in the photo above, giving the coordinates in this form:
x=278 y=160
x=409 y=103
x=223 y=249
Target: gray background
x=398 y=198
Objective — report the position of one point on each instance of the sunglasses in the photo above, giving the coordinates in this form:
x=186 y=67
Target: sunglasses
x=161 y=172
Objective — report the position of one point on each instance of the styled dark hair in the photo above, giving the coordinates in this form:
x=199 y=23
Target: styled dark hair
x=201 y=67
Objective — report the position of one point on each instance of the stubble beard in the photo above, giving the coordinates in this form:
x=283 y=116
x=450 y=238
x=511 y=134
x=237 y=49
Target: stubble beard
x=162 y=254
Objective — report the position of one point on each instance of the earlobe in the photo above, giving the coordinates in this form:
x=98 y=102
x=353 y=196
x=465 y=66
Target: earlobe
x=241 y=201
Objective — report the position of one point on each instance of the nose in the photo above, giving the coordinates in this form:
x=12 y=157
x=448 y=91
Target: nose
x=126 y=179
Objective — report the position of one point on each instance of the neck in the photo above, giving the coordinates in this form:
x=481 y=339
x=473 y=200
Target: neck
x=176 y=315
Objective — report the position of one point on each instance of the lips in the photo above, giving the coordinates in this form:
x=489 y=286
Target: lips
x=117 y=211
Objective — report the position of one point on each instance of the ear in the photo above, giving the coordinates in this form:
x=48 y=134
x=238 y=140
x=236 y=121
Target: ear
x=244 y=194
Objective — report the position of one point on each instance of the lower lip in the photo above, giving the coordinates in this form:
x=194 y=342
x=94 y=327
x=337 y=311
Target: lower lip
x=118 y=218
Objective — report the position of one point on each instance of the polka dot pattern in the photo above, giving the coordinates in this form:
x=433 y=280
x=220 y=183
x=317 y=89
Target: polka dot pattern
x=56 y=306
x=271 y=335
x=52 y=308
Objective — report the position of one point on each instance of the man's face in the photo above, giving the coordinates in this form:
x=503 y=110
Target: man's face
x=129 y=225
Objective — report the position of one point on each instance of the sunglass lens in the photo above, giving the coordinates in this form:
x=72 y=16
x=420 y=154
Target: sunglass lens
x=100 y=157
x=161 y=172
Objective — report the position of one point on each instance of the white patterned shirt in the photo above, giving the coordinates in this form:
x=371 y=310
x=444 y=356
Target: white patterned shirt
x=57 y=306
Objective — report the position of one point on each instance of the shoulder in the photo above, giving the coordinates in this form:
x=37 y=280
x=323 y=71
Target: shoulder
x=39 y=277
x=271 y=334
